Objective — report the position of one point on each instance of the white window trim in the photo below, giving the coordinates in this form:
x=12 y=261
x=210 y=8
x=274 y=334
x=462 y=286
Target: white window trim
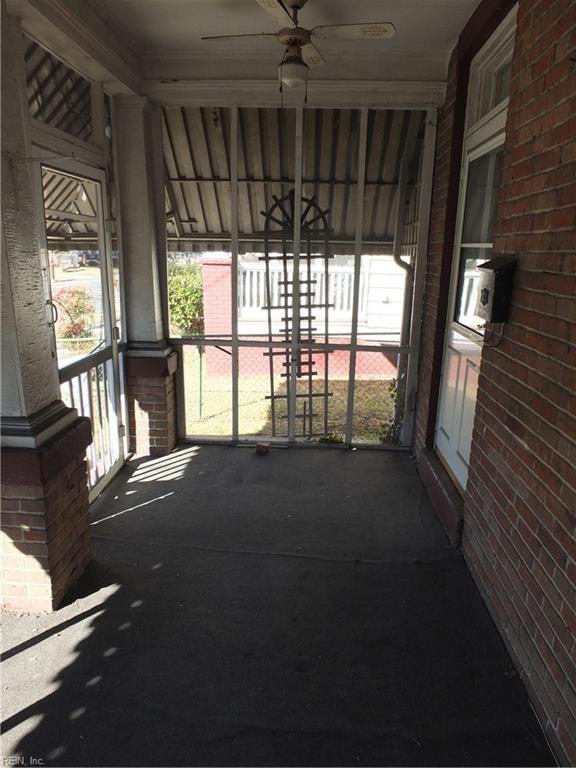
x=493 y=55
x=481 y=137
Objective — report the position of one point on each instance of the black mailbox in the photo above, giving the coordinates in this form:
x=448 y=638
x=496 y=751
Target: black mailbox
x=495 y=290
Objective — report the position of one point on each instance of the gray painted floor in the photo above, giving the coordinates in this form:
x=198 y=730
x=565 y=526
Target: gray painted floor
x=299 y=608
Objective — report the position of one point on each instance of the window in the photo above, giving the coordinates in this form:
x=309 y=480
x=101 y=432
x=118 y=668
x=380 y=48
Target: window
x=72 y=211
x=477 y=233
x=491 y=73
x=502 y=83
x=490 y=77
x=57 y=95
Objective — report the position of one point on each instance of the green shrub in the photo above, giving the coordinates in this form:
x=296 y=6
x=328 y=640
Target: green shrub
x=185 y=299
x=390 y=429
x=331 y=437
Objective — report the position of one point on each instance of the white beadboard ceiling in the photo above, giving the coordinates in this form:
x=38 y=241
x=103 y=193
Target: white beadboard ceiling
x=166 y=34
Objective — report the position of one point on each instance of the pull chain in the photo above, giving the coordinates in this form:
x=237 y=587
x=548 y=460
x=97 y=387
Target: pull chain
x=282 y=82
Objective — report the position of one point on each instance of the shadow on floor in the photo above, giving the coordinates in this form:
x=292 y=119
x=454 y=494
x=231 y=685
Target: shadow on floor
x=299 y=608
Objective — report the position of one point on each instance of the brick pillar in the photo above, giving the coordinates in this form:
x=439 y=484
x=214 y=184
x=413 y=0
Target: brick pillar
x=45 y=537
x=151 y=404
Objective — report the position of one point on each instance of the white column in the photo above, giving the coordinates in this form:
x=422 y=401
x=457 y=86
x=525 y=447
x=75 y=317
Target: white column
x=138 y=136
x=29 y=368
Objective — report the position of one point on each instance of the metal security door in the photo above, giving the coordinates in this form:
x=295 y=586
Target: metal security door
x=82 y=282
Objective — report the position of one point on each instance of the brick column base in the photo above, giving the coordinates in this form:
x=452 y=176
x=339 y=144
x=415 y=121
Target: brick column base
x=151 y=404
x=45 y=539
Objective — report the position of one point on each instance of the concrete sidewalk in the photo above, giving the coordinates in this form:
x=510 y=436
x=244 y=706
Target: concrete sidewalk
x=299 y=608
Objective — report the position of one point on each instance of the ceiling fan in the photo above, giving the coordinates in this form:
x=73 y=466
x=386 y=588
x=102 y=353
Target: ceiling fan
x=300 y=50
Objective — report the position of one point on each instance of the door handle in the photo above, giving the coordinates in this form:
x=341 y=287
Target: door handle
x=54 y=308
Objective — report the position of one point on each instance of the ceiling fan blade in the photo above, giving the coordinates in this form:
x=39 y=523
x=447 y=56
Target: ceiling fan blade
x=380 y=30
x=277 y=9
x=218 y=38
x=312 y=55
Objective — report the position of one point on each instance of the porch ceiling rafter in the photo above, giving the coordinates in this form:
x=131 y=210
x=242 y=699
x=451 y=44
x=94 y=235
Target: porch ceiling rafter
x=198 y=168
x=224 y=237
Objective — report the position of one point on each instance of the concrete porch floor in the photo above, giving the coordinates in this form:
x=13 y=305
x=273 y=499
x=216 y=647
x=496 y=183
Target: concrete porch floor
x=300 y=608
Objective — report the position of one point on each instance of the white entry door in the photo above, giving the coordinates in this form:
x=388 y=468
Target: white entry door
x=479 y=183
x=465 y=331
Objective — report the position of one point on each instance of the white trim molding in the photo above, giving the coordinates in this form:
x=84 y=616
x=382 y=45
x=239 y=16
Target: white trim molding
x=494 y=55
x=394 y=94
x=52 y=141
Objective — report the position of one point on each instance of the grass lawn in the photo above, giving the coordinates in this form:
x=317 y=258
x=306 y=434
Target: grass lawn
x=211 y=415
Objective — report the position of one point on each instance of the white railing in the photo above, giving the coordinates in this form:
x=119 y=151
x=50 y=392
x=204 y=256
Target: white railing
x=88 y=386
x=252 y=295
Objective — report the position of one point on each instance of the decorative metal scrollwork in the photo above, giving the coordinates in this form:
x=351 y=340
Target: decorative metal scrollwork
x=301 y=323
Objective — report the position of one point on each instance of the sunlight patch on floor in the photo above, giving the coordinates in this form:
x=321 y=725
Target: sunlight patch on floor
x=171 y=467
x=132 y=509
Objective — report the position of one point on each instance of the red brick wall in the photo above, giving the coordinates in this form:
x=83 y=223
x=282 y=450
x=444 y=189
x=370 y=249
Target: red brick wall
x=520 y=506
x=217 y=287
x=45 y=540
x=440 y=240
x=520 y=512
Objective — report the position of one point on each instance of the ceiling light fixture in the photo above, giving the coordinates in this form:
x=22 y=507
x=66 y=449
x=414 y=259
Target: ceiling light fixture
x=293 y=71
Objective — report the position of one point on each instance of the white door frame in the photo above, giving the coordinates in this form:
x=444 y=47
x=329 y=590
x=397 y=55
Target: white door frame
x=486 y=132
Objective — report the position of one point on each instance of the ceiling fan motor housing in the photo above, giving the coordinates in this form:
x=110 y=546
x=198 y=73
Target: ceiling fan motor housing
x=292 y=36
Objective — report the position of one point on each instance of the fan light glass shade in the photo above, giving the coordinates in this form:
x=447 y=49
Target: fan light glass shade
x=293 y=73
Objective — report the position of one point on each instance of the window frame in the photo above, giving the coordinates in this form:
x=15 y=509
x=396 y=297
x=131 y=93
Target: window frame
x=484 y=69
x=484 y=135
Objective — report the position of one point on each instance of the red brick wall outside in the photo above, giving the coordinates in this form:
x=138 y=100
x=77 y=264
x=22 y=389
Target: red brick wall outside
x=520 y=505
x=252 y=360
x=217 y=286
x=45 y=539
